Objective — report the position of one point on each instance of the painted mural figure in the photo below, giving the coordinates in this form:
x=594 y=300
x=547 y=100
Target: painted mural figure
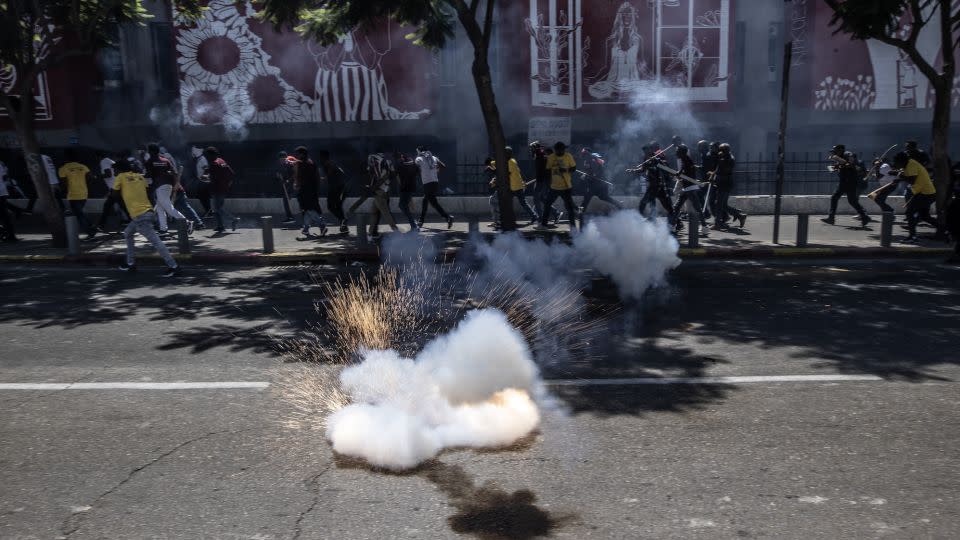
x=350 y=87
x=625 y=66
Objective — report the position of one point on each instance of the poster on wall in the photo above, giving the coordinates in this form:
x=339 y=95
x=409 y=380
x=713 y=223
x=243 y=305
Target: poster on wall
x=236 y=69
x=605 y=54
x=848 y=75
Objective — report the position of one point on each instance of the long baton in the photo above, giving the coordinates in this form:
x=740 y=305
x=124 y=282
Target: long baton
x=706 y=200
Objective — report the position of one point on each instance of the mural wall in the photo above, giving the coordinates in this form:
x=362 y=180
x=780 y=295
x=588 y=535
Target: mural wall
x=603 y=51
x=846 y=75
x=234 y=69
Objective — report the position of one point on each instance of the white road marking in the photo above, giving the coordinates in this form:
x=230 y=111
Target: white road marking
x=135 y=386
x=713 y=380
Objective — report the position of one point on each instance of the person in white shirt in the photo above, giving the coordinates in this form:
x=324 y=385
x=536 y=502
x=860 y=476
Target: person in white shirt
x=889 y=180
x=112 y=204
x=430 y=166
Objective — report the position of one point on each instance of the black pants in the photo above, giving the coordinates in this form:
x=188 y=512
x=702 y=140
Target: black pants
x=540 y=192
x=76 y=208
x=658 y=193
x=600 y=190
x=567 y=196
x=881 y=197
x=7 y=223
x=336 y=194
x=522 y=199
x=848 y=189
x=406 y=198
x=430 y=196
x=203 y=193
x=723 y=211
x=918 y=209
x=112 y=205
x=285 y=193
x=695 y=199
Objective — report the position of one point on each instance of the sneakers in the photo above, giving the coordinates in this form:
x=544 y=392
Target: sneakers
x=743 y=220
x=828 y=220
x=344 y=228
x=420 y=224
x=236 y=221
x=289 y=220
x=172 y=272
x=323 y=230
x=449 y=222
x=865 y=219
x=189 y=227
x=128 y=267
x=704 y=230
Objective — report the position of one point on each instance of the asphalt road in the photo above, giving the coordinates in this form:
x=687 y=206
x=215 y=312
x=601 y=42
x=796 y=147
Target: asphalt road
x=871 y=458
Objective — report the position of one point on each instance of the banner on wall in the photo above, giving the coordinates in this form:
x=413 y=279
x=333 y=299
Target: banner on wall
x=234 y=68
x=549 y=129
x=582 y=55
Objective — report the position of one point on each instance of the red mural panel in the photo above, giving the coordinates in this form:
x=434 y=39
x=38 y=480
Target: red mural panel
x=235 y=69
x=846 y=75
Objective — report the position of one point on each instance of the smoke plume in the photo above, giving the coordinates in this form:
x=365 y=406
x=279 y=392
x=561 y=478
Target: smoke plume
x=468 y=388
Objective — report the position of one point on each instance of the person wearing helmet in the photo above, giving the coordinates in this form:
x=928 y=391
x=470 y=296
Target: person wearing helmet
x=845 y=164
x=657 y=189
x=687 y=173
x=592 y=170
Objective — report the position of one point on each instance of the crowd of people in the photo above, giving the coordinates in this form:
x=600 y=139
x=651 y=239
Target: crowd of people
x=685 y=185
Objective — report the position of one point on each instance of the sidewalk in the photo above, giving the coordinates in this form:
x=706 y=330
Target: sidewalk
x=846 y=239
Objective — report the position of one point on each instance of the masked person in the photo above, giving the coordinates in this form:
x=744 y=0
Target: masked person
x=306 y=182
x=561 y=166
x=690 y=190
x=724 y=183
x=430 y=165
x=541 y=187
x=336 y=188
x=844 y=163
x=592 y=170
x=657 y=188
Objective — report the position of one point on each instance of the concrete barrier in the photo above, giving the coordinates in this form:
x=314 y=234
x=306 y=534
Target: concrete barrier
x=480 y=206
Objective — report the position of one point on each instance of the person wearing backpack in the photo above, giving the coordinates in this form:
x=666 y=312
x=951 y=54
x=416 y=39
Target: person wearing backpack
x=221 y=178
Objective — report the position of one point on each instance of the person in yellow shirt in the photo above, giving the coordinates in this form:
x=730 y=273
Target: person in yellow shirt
x=132 y=189
x=517 y=185
x=561 y=166
x=75 y=176
x=924 y=194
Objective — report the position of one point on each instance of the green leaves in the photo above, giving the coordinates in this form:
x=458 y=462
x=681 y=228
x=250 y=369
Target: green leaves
x=326 y=20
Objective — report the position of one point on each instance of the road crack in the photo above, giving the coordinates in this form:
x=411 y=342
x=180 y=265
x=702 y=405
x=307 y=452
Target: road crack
x=314 y=487
x=73 y=523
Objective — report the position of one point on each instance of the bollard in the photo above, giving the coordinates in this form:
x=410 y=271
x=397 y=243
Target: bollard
x=362 y=240
x=803 y=229
x=183 y=238
x=473 y=224
x=73 y=234
x=693 y=235
x=266 y=224
x=886 y=229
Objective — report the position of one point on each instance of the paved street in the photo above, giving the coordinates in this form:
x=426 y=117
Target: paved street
x=869 y=452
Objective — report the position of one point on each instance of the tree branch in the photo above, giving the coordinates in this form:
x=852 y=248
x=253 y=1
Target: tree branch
x=469 y=22
x=488 y=25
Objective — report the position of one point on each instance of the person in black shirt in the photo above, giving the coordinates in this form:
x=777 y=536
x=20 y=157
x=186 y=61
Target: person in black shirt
x=306 y=180
x=656 y=183
x=336 y=188
x=284 y=176
x=690 y=191
x=723 y=183
x=407 y=172
x=542 y=186
x=844 y=163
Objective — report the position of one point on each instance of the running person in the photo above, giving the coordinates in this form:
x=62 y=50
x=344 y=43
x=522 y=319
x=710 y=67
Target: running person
x=132 y=188
x=429 y=167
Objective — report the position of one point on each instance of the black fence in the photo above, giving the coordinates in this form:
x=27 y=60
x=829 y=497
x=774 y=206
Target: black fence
x=756 y=174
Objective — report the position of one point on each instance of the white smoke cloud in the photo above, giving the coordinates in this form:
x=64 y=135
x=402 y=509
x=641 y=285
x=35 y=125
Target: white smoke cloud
x=635 y=252
x=468 y=388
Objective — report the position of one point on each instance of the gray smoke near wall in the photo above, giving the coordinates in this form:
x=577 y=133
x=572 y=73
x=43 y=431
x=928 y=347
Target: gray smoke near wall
x=168 y=120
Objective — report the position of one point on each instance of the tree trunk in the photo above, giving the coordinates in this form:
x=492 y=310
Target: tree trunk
x=491 y=116
x=943 y=87
x=22 y=117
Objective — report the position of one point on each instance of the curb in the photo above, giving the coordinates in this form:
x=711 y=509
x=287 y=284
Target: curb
x=327 y=257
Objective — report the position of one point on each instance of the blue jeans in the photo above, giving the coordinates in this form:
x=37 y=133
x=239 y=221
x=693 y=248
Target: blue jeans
x=220 y=211
x=182 y=204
